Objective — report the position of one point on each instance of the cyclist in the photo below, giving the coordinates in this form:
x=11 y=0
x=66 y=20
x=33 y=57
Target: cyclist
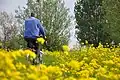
x=33 y=29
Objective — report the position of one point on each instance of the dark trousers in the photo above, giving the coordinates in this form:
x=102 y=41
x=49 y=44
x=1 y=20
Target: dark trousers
x=31 y=43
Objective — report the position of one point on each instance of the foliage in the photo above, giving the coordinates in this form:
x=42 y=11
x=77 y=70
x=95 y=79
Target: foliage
x=54 y=17
x=85 y=64
x=112 y=26
x=89 y=16
x=9 y=31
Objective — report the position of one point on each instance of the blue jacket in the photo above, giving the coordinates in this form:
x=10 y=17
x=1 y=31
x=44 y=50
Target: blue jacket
x=33 y=28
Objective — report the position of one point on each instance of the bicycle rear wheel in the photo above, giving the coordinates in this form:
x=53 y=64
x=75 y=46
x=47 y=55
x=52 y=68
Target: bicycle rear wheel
x=39 y=57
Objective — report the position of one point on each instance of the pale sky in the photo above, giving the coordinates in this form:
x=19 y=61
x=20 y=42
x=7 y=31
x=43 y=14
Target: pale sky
x=10 y=6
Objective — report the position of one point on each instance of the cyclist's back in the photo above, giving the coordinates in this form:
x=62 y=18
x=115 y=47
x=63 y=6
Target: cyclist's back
x=33 y=29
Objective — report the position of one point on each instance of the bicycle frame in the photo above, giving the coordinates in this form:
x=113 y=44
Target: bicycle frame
x=38 y=59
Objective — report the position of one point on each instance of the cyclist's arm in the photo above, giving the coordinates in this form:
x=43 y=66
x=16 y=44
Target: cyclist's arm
x=41 y=29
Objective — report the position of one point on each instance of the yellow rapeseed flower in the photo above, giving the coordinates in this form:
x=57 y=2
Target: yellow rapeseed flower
x=65 y=48
x=74 y=65
x=32 y=54
x=66 y=53
x=32 y=76
x=44 y=78
x=70 y=78
x=40 y=40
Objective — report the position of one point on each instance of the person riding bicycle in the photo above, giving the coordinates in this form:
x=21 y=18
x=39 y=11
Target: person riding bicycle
x=33 y=30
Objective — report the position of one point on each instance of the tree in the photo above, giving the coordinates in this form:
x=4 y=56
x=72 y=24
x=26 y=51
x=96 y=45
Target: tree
x=8 y=30
x=54 y=17
x=89 y=16
x=112 y=17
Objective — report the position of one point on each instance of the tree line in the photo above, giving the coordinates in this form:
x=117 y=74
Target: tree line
x=97 y=21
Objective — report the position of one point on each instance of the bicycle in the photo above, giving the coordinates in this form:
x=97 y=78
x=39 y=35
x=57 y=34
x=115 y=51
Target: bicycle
x=38 y=59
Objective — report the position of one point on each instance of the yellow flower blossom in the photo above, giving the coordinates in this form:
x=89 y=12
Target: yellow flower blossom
x=65 y=48
x=40 y=40
x=84 y=64
x=32 y=54
x=70 y=78
x=44 y=78
x=74 y=65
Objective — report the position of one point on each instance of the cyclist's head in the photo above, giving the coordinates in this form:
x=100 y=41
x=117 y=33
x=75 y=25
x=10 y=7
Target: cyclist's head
x=32 y=15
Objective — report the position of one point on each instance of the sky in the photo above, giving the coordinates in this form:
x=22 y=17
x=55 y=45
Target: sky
x=10 y=6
